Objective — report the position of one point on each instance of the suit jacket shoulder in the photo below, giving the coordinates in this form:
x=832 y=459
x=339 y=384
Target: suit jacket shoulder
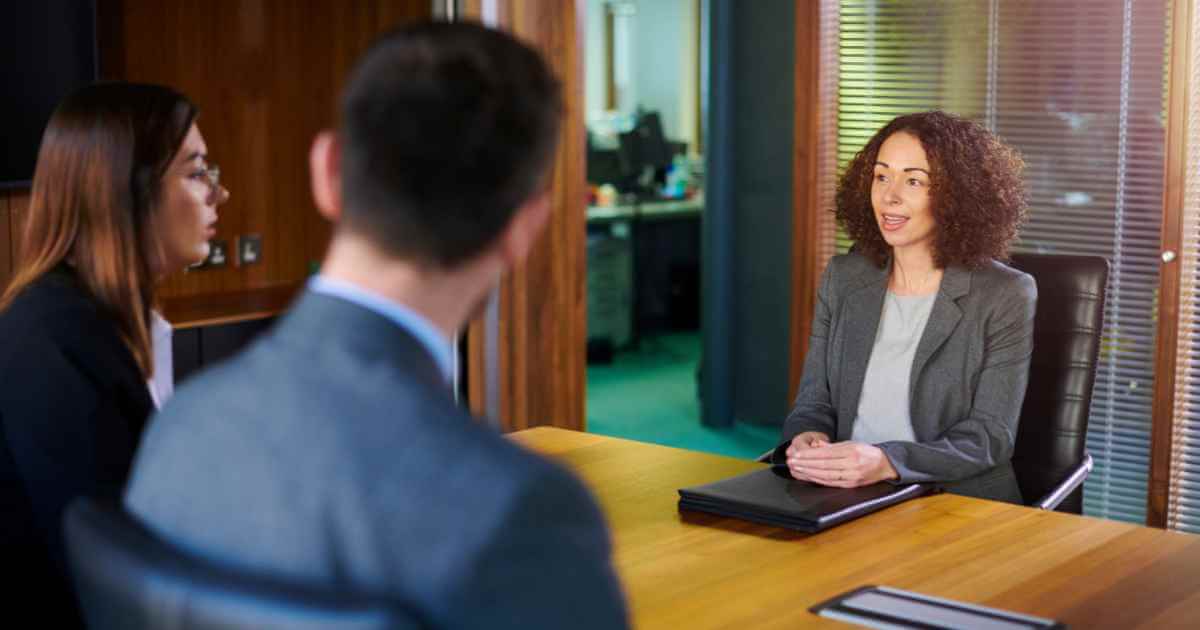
x=997 y=276
x=851 y=270
x=344 y=461
x=73 y=397
x=993 y=291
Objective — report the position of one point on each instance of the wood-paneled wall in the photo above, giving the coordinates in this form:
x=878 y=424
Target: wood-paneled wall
x=542 y=304
x=266 y=75
x=5 y=240
x=13 y=204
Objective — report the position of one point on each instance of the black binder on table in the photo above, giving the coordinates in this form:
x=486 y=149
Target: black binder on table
x=897 y=609
x=770 y=496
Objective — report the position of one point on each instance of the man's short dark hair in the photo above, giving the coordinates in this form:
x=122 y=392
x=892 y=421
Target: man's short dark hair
x=447 y=129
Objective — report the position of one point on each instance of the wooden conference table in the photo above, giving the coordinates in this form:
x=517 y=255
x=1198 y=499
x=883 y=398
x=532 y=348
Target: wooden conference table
x=696 y=571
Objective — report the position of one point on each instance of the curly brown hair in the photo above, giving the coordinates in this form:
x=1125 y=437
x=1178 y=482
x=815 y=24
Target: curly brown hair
x=977 y=193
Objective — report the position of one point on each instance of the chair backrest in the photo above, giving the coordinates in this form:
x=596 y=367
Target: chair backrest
x=126 y=577
x=1066 y=343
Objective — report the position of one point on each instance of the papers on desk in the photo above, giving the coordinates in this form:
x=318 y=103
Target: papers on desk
x=770 y=496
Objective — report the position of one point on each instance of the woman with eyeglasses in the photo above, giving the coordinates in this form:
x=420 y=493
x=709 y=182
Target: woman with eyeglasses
x=123 y=195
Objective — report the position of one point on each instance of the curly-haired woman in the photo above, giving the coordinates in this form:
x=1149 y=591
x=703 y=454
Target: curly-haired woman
x=921 y=339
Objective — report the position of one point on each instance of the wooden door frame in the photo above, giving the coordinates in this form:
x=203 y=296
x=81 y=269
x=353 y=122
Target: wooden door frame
x=805 y=198
x=526 y=357
x=1167 y=337
x=812 y=221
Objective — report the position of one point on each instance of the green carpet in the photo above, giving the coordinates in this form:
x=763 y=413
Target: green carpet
x=649 y=393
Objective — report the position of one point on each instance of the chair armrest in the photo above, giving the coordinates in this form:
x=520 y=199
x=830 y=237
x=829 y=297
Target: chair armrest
x=1068 y=485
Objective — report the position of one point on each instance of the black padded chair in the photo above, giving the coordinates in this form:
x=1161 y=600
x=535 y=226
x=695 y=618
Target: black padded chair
x=1050 y=458
x=128 y=578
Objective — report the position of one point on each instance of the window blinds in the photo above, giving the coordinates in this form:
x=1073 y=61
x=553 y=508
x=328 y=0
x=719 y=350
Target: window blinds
x=1078 y=86
x=895 y=58
x=1183 y=510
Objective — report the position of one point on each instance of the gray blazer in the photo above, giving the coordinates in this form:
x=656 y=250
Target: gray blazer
x=332 y=451
x=968 y=376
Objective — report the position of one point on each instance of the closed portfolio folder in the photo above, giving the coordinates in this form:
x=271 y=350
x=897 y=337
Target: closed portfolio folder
x=770 y=496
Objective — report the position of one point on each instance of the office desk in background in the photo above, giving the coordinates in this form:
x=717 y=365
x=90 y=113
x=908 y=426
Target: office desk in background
x=643 y=271
x=700 y=571
x=647 y=210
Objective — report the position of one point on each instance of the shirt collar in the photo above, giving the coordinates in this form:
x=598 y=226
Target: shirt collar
x=418 y=326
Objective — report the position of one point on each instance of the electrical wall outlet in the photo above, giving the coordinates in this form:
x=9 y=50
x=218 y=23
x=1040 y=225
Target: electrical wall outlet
x=218 y=254
x=249 y=249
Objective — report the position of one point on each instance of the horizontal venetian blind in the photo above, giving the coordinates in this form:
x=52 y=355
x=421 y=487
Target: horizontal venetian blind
x=895 y=58
x=1079 y=89
x=1184 y=504
x=1077 y=86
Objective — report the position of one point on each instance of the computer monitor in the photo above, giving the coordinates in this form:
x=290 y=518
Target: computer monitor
x=653 y=149
x=645 y=146
x=604 y=166
x=642 y=149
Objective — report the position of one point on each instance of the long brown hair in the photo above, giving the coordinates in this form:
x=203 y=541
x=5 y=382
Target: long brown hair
x=95 y=190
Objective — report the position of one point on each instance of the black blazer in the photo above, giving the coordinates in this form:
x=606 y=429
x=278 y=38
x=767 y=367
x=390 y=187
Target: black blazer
x=72 y=407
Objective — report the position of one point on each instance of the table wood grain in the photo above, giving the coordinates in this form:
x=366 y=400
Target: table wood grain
x=699 y=571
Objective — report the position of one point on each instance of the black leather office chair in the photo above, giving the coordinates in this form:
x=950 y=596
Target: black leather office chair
x=128 y=578
x=1050 y=459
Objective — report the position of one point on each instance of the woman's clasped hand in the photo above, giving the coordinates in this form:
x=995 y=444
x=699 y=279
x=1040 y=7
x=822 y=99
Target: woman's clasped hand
x=811 y=457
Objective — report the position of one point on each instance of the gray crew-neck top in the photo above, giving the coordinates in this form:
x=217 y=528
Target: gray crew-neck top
x=883 y=407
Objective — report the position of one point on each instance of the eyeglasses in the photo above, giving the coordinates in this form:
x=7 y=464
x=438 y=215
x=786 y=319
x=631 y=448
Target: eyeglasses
x=212 y=174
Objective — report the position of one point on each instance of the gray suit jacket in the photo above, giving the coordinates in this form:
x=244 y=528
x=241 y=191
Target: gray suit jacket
x=968 y=376
x=332 y=452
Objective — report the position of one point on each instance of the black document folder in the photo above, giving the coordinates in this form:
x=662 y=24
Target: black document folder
x=770 y=496
x=897 y=609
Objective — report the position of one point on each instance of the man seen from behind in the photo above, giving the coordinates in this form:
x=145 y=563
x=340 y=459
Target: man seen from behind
x=332 y=450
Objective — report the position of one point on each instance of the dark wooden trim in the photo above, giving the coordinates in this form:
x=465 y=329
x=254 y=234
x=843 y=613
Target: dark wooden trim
x=542 y=304
x=5 y=243
x=18 y=210
x=110 y=39
x=476 y=369
x=1158 y=496
x=805 y=189
x=478 y=332
x=194 y=311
